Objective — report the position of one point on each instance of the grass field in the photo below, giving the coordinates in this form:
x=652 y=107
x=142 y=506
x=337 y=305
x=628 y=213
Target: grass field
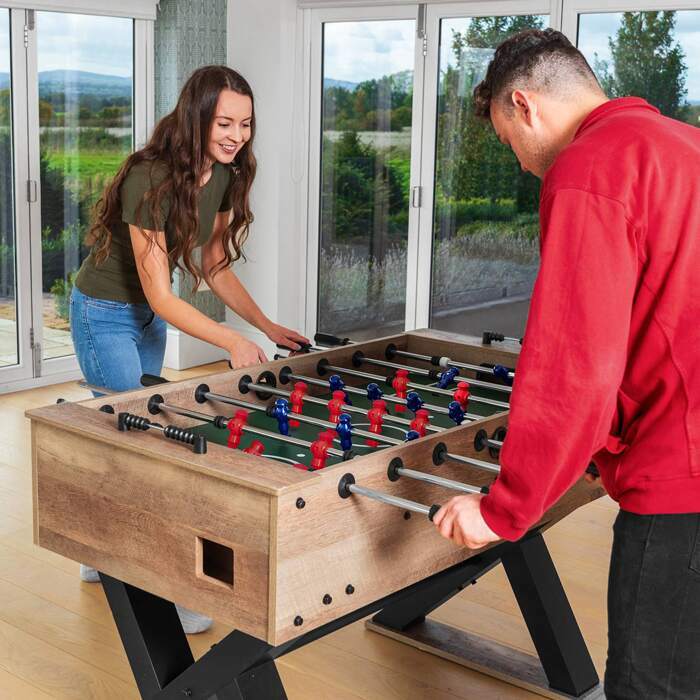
x=83 y=165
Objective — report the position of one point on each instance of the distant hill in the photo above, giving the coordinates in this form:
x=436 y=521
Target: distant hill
x=77 y=82
x=402 y=81
x=345 y=84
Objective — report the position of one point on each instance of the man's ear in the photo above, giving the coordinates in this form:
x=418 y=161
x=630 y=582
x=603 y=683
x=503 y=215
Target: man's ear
x=525 y=107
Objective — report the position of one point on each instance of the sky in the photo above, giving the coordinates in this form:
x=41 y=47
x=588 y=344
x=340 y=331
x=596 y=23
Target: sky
x=77 y=42
x=358 y=51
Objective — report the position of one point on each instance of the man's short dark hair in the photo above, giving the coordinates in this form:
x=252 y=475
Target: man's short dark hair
x=541 y=59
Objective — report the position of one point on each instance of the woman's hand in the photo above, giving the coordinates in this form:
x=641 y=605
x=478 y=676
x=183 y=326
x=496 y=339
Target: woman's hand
x=243 y=352
x=285 y=336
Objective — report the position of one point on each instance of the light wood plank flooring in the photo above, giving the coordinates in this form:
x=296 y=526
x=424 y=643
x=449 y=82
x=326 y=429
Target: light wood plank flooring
x=57 y=638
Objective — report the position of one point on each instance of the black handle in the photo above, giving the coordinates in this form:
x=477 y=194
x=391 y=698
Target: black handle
x=198 y=442
x=330 y=340
x=433 y=511
x=152 y=380
x=303 y=347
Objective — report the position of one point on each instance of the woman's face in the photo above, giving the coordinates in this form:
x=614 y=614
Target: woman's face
x=230 y=128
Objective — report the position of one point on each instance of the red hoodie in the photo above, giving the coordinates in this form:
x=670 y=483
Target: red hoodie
x=610 y=365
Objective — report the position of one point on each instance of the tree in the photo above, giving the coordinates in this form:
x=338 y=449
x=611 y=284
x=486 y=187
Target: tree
x=45 y=113
x=647 y=62
x=471 y=163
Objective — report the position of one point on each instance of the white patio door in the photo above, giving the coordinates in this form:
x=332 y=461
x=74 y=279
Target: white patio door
x=477 y=243
x=72 y=107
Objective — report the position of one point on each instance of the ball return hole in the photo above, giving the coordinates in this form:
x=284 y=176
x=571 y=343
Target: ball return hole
x=215 y=562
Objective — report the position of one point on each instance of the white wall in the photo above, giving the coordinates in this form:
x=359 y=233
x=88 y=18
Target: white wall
x=265 y=45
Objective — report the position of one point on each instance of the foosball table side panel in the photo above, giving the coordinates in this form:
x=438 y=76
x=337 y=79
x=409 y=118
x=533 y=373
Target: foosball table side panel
x=335 y=555
x=181 y=534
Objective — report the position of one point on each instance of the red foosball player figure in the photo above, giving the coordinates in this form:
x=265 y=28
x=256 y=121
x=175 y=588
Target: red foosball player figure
x=335 y=406
x=400 y=384
x=376 y=417
x=235 y=428
x=319 y=450
x=255 y=448
x=296 y=399
x=461 y=395
x=420 y=422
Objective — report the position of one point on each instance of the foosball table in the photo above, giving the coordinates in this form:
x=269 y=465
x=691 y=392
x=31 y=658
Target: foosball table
x=295 y=497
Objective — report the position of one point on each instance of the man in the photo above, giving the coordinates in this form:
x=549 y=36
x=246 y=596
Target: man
x=610 y=365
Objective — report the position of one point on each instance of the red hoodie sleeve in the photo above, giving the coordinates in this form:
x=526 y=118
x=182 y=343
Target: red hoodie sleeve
x=573 y=357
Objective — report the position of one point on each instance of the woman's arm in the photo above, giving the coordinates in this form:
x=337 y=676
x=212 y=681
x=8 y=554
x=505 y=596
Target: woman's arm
x=231 y=291
x=154 y=273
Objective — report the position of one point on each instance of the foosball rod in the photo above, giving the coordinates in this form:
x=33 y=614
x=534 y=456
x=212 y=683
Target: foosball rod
x=130 y=421
x=219 y=422
x=440 y=454
x=397 y=470
x=359 y=392
x=347 y=408
x=347 y=487
x=232 y=401
x=359 y=358
x=444 y=362
x=409 y=385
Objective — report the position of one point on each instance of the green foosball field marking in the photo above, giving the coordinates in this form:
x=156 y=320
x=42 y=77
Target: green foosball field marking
x=258 y=419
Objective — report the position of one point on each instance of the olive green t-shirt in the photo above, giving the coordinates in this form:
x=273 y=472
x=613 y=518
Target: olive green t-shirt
x=117 y=278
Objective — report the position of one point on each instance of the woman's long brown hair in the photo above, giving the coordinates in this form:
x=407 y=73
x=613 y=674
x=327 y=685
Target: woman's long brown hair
x=178 y=147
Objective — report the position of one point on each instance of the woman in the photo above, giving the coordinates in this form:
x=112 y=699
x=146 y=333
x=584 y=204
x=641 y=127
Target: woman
x=187 y=188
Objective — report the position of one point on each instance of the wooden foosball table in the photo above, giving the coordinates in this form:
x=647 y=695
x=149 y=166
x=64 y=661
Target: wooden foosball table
x=292 y=498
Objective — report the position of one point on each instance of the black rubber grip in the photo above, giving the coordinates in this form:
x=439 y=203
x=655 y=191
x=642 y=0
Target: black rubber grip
x=152 y=380
x=433 y=511
x=303 y=347
x=198 y=442
x=330 y=340
x=130 y=421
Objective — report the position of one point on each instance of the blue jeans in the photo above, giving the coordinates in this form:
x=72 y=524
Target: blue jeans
x=116 y=342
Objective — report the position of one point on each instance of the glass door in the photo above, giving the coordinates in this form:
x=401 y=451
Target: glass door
x=361 y=213
x=650 y=51
x=478 y=249
x=83 y=101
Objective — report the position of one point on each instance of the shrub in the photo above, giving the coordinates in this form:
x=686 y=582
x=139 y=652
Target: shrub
x=61 y=289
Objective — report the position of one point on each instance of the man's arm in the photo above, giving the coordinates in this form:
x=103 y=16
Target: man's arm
x=573 y=358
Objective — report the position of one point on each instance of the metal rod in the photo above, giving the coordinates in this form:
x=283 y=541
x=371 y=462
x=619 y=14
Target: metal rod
x=246 y=428
x=386 y=397
x=474 y=462
x=411 y=385
x=437 y=480
x=347 y=408
x=447 y=362
x=390 y=500
x=303 y=419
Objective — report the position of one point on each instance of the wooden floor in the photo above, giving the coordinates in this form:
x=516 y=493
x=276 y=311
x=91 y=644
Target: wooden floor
x=57 y=638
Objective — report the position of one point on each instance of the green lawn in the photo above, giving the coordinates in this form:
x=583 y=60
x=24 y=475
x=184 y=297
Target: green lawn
x=86 y=164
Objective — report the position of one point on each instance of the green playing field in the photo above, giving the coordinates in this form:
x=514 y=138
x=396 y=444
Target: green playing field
x=287 y=453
